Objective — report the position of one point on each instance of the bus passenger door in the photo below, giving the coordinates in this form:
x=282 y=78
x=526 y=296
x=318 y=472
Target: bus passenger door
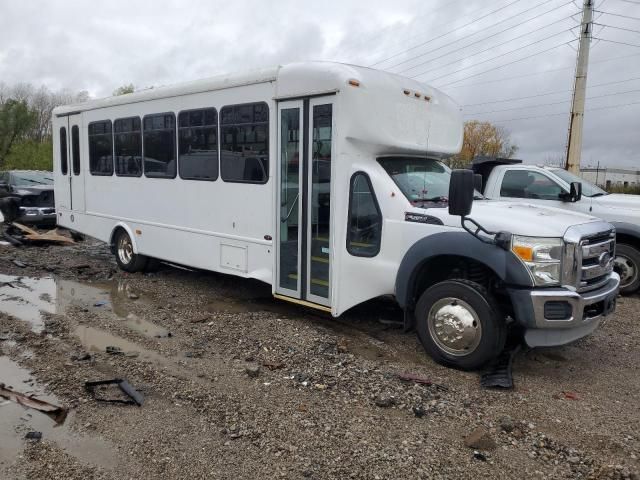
x=76 y=167
x=304 y=200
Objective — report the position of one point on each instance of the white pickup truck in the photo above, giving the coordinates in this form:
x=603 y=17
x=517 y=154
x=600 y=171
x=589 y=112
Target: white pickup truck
x=512 y=180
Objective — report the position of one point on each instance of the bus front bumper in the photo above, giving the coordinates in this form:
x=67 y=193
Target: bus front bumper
x=553 y=317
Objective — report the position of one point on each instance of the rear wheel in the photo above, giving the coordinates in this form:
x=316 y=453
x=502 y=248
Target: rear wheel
x=627 y=265
x=460 y=324
x=125 y=256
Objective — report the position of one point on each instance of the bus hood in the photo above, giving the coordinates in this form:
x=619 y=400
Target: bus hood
x=523 y=219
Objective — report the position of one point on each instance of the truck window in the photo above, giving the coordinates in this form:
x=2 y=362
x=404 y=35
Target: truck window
x=365 y=219
x=534 y=185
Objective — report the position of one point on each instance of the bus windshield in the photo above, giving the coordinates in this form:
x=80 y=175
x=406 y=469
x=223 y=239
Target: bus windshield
x=588 y=189
x=424 y=181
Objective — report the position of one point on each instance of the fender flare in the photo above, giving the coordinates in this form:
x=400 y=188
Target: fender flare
x=626 y=228
x=460 y=244
x=129 y=232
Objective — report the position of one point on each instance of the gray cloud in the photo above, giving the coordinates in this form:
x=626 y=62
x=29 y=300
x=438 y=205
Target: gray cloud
x=99 y=46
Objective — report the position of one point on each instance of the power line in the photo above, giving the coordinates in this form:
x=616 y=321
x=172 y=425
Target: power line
x=501 y=80
x=564 y=113
x=619 y=43
x=618 y=28
x=553 y=103
x=508 y=63
x=494 y=47
x=556 y=92
x=493 y=58
x=487 y=38
x=472 y=34
x=618 y=15
x=630 y=1
x=445 y=34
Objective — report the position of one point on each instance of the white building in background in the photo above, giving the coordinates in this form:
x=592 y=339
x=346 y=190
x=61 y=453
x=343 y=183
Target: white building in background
x=609 y=177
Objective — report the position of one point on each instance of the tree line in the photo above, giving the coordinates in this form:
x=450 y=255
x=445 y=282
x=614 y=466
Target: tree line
x=25 y=124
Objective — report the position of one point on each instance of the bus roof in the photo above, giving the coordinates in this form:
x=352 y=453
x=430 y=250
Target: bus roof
x=292 y=80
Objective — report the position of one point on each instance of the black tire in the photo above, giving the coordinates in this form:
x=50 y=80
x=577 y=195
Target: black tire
x=123 y=250
x=488 y=328
x=627 y=265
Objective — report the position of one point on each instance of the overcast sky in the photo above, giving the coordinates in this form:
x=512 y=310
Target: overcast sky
x=451 y=44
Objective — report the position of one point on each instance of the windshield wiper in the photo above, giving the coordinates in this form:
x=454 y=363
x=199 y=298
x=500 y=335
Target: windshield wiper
x=32 y=181
x=431 y=199
x=599 y=194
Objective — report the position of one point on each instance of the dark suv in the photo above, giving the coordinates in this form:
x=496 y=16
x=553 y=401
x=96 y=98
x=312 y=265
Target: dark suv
x=32 y=192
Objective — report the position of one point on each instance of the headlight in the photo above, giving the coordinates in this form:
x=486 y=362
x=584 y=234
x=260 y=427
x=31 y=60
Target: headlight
x=542 y=256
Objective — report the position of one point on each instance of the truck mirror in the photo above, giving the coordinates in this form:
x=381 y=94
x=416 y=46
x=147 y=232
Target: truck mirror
x=477 y=182
x=576 y=191
x=461 y=192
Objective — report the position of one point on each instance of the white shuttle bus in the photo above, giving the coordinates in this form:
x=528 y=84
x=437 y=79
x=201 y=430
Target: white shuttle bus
x=324 y=180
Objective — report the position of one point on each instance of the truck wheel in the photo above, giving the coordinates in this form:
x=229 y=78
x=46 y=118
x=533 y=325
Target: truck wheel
x=126 y=258
x=460 y=324
x=627 y=265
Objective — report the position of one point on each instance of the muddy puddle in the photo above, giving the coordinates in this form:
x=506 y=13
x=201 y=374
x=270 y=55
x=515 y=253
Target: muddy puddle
x=16 y=421
x=29 y=299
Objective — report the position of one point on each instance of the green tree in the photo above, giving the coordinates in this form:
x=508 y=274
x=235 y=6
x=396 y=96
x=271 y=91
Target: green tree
x=124 y=89
x=16 y=119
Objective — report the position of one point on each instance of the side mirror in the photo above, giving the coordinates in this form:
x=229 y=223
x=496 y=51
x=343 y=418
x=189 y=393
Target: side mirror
x=461 y=192
x=477 y=182
x=575 y=193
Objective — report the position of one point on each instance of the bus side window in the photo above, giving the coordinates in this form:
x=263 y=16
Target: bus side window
x=128 y=147
x=75 y=149
x=64 y=166
x=244 y=151
x=159 y=145
x=100 y=148
x=364 y=231
x=198 y=144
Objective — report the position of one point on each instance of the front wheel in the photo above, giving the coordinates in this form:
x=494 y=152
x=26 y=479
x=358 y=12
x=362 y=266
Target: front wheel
x=627 y=265
x=125 y=256
x=460 y=324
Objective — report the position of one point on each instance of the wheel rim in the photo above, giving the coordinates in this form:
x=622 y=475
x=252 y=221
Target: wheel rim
x=125 y=249
x=627 y=270
x=454 y=326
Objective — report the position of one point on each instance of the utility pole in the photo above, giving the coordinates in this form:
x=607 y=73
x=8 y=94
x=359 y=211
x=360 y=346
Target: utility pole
x=574 y=144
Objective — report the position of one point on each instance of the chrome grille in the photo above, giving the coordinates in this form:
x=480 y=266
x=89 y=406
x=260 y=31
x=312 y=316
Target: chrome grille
x=595 y=256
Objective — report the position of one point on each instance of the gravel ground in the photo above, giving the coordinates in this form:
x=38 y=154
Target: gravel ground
x=238 y=385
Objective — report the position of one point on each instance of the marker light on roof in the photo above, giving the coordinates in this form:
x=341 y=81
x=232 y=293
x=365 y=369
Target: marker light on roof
x=354 y=83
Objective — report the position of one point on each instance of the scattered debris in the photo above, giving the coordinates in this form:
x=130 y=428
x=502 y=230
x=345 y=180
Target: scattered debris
x=133 y=296
x=58 y=414
x=499 y=373
x=35 y=436
x=571 y=395
x=81 y=357
x=252 y=370
x=204 y=318
x=343 y=345
x=112 y=350
x=479 y=456
x=19 y=264
x=16 y=232
x=385 y=401
x=419 y=411
x=136 y=398
x=507 y=424
x=273 y=365
x=416 y=378
x=480 y=439
x=101 y=303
